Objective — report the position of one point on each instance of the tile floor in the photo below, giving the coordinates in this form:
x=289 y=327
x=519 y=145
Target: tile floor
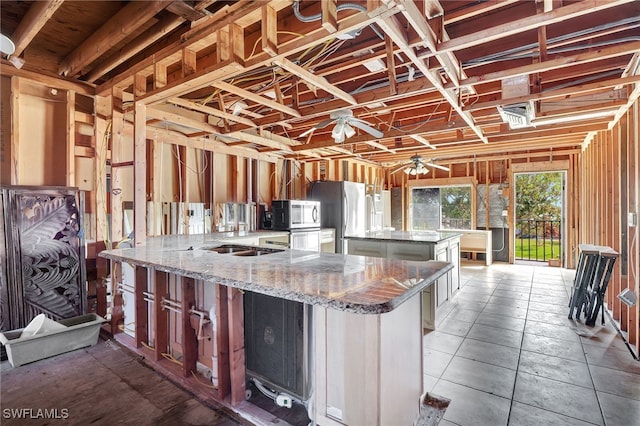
x=507 y=354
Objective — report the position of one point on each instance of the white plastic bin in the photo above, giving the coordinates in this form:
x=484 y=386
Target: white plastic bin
x=79 y=332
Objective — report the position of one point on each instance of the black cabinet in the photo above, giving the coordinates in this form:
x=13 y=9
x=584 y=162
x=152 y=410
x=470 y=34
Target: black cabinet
x=42 y=260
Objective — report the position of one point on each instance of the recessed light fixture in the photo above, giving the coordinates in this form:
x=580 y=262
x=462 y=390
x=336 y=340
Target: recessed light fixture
x=374 y=65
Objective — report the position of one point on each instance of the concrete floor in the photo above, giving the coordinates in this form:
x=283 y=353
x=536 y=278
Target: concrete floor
x=101 y=385
x=508 y=355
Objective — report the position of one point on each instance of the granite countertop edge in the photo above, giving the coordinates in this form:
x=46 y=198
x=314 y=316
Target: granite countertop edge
x=289 y=294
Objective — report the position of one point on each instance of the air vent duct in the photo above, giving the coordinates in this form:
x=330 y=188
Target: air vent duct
x=518 y=116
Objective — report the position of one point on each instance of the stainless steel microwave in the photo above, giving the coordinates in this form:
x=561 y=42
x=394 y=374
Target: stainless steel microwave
x=295 y=214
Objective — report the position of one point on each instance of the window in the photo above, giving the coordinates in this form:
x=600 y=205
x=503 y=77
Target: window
x=447 y=207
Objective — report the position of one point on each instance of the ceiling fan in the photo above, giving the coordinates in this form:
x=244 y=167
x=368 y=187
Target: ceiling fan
x=344 y=128
x=417 y=166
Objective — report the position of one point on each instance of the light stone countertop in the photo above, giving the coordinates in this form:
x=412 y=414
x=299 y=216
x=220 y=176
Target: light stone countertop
x=363 y=285
x=405 y=236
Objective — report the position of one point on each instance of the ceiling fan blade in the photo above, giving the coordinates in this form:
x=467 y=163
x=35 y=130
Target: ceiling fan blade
x=307 y=132
x=366 y=127
x=320 y=125
x=401 y=167
x=437 y=166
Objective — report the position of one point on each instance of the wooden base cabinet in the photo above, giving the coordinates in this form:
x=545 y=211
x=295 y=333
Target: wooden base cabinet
x=368 y=368
x=436 y=297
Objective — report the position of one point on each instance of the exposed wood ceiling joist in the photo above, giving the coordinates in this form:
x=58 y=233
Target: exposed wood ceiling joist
x=429 y=74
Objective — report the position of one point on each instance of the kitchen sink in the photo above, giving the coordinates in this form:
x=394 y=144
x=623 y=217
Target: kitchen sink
x=241 y=250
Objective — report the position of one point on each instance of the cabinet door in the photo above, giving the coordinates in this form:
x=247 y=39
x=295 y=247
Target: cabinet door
x=366 y=248
x=454 y=257
x=407 y=251
x=442 y=285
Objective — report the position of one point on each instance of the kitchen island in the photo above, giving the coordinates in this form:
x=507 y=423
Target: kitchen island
x=417 y=245
x=359 y=375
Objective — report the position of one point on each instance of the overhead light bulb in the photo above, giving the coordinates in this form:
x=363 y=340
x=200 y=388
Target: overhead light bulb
x=348 y=130
x=338 y=132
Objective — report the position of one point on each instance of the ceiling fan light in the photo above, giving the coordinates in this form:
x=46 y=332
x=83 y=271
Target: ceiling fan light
x=348 y=131
x=338 y=132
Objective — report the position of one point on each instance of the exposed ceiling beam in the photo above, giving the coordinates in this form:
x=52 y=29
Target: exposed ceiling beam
x=38 y=14
x=380 y=146
x=597 y=54
x=315 y=80
x=574 y=10
x=250 y=135
x=211 y=111
x=393 y=28
x=571 y=91
x=255 y=98
x=213 y=146
x=476 y=9
x=155 y=33
x=48 y=79
x=128 y=19
x=450 y=63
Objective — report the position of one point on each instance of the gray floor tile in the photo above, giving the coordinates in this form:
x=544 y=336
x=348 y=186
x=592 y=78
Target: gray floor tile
x=428 y=382
x=557 y=291
x=618 y=410
x=470 y=407
x=444 y=422
x=554 y=300
x=547 y=307
x=520 y=295
x=442 y=342
x=435 y=362
x=477 y=298
x=616 y=382
x=550 y=318
x=556 y=368
x=471 y=291
x=461 y=314
x=604 y=336
x=563 y=398
x=506 y=301
x=454 y=326
x=528 y=415
x=471 y=305
x=481 y=376
x=553 y=347
x=551 y=330
x=502 y=356
x=499 y=336
x=507 y=311
x=611 y=358
x=501 y=321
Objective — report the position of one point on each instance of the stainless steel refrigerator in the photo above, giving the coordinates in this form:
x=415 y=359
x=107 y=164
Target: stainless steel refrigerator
x=343 y=207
